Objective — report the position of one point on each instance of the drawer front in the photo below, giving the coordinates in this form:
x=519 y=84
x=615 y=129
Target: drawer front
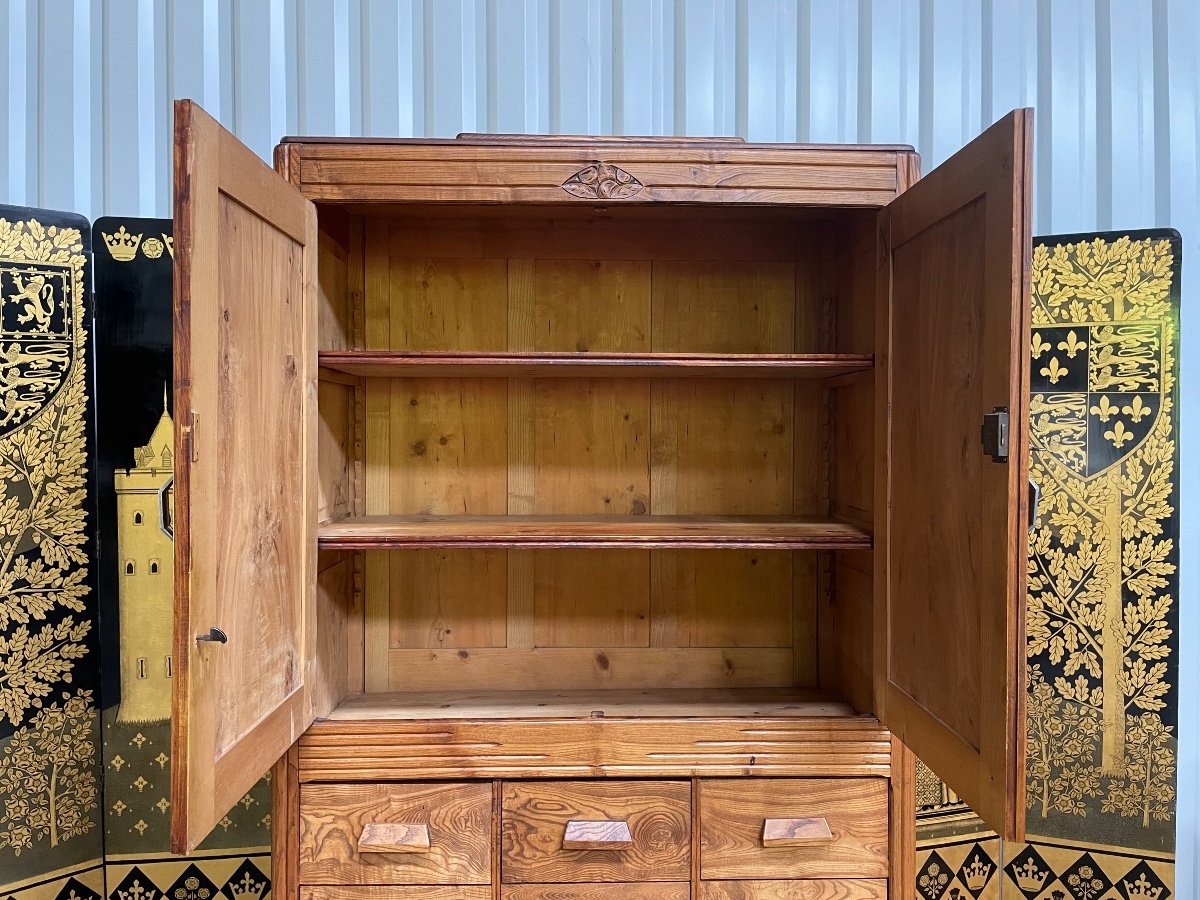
x=595 y=831
x=799 y=889
x=776 y=828
x=658 y=890
x=395 y=833
x=398 y=892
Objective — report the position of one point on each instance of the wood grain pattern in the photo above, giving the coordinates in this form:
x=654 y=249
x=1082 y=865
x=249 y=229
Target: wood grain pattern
x=386 y=750
x=333 y=818
x=335 y=449
x=447 y=599
x=958 y=247
x=597 y=891
x=657 y=814
x=396 y=892
x=732 y=813
x=285 y=826
x=559 y=704
x=394 y=837
x=806 y=889
x=724 y=307
x=624 y=233
x=500 y=364
x=578 y=668
x=520 y=171
x=613 y=532
x=796 y=832
x=902 y=797
x=604 y=834
x=245 y=338
x=334 y=312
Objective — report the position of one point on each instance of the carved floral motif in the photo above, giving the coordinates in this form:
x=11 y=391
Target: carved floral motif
x=602 y=181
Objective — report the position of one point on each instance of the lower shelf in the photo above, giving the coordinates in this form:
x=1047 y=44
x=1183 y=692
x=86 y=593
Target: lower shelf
x=678 y=703
x=666 y=733
x=613 y=532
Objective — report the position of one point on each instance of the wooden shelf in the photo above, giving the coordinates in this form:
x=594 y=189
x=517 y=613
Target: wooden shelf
x=392 y=364
x=614 y=532
x=675 y=703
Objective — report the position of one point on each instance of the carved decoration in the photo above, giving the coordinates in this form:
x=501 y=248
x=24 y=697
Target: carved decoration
x=602 y=181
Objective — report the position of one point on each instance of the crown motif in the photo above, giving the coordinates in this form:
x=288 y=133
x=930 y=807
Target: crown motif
x=1029 y=878
x=245 y=888
x=169 y=240
x=976 y=874
x=138 y=892
x=1142 y=889
x=122 y=245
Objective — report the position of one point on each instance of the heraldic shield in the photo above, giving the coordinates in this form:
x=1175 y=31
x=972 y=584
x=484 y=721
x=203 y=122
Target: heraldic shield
x=1097 y=356
x=41 y=276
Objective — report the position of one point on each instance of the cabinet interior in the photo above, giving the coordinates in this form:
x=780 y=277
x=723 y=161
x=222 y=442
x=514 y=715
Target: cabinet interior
x=624 y=449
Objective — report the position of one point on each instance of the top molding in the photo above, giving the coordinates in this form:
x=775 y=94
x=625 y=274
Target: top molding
x=571 y=169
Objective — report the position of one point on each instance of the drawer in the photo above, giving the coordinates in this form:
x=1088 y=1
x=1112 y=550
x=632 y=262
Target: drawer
x=394 y=892
x=658 y=890
x=798 y=889
x=595 y=831
x=776 y=828
x=396 y=833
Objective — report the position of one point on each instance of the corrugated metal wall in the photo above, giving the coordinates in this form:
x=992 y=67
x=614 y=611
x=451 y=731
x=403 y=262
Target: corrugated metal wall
x=87 y=88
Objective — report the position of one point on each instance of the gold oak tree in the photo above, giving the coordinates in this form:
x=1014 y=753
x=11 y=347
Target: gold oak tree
x=48 y=782
x=43 y=492
x=1099 y=560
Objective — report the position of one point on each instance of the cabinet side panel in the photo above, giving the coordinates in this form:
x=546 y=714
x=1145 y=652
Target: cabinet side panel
x=334 y=309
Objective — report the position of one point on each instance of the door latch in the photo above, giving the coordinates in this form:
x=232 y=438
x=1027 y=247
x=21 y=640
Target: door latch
x=1035 y=499
x=216 y=635
x=994 y=434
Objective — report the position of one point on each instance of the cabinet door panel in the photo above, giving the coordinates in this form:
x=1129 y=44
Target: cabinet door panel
x=951 y=531
x=245 y=471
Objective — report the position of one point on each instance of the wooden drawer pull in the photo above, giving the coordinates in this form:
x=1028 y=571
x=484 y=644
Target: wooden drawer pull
x=390 y=837
x=796 y=832
x=604 y=834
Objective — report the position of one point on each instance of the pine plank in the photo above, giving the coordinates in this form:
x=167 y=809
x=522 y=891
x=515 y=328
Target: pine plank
x=614 y=532
x=570 y=364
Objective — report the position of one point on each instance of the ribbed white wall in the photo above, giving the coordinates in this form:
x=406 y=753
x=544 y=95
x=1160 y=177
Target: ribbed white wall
x=87 y=89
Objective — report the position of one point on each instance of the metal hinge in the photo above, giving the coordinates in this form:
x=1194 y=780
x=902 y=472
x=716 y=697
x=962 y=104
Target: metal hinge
x=189 y=432
x=994 y=434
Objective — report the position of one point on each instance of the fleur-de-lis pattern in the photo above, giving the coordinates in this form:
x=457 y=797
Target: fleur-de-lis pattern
x=1104 y=409
x=1072 y=344
x=1056 y=371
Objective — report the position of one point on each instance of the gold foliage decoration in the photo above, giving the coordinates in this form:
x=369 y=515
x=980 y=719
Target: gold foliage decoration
x=1101 y=280
x=43 y=468
x=48 y=781
x=1102 y=556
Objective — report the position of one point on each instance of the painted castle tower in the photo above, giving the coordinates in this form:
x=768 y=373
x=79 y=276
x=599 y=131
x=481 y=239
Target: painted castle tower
x=144 y=548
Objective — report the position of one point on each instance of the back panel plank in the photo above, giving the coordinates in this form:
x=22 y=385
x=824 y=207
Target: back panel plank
x=595 y=447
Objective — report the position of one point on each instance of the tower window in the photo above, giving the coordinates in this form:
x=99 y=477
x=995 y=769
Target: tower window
x=141 y=667
x=154 y=567
x=137 y=518
x=129 y=567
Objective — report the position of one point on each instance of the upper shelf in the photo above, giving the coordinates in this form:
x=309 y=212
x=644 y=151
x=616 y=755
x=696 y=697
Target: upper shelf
x=452 y=364
x=613 y=532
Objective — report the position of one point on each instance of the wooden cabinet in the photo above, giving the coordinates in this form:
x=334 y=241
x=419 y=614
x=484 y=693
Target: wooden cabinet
x=576 y=516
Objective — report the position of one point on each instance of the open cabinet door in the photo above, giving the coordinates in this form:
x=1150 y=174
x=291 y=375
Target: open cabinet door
x=951 y=533
x=245 y=464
